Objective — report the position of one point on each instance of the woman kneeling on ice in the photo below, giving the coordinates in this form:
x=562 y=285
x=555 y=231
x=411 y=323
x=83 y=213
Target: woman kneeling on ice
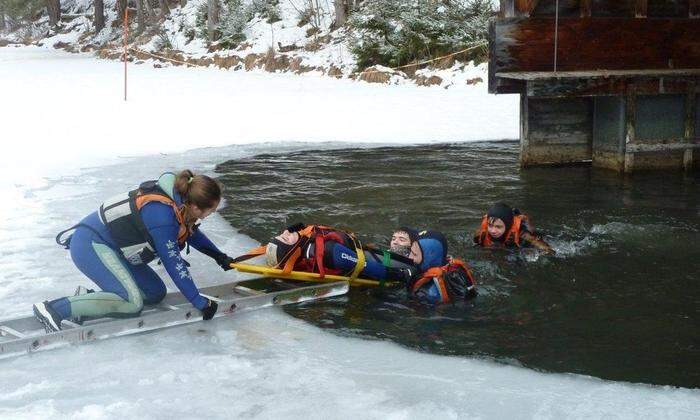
x=113 y=246
x=504 y=226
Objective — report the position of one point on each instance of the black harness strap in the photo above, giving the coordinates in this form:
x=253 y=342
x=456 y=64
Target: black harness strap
x=66 y=242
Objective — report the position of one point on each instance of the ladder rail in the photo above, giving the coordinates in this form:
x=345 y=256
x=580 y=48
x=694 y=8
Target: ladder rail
x=11 y=331
x=155 y=320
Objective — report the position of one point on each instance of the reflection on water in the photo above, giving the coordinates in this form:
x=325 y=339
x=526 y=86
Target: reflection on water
x=620 y=300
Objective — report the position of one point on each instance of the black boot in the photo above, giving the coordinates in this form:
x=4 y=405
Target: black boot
x=47 y=316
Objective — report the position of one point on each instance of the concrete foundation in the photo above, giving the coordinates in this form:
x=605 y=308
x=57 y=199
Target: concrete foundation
x=625 y=133
x=555 y=131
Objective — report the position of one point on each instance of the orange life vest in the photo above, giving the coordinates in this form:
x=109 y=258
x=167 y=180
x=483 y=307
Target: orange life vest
x=184 y=231
x=511 y=237
x=437 y=276
x=319 y=234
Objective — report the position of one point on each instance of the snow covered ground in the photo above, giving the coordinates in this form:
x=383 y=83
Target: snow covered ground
x=316 y=47
x=69 y=141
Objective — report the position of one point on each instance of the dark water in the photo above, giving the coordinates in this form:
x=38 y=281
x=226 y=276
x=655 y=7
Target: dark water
x=620 y=301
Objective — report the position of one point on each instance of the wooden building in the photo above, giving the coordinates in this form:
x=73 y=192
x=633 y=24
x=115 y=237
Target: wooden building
x=614 y=82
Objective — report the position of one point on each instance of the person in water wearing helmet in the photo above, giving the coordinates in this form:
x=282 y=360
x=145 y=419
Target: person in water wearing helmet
x=325 y=250
x=504 y=226
x=113 y=246
x=442 y=279
x=427 y=249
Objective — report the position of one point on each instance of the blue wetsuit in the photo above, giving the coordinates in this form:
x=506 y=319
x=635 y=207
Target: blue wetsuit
x=126 y=287
x=344 y=259
x=433 y=245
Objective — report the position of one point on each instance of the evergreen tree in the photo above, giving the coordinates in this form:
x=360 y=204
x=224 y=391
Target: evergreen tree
x=21 y=12
x=398 y=32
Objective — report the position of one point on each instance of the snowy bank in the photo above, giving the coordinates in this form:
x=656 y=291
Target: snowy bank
x=300 y=38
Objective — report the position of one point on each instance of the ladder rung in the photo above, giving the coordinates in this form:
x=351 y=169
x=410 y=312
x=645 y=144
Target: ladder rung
x=11 y=331
x=247 y=290
x=169 y=307
x=215 y=299
x=70 y=324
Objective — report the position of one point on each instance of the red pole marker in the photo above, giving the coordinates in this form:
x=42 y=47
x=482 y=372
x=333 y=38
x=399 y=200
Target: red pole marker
x=126 y=35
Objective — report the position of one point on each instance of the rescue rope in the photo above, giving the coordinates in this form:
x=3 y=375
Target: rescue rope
x=165 y=58
x=473 y=47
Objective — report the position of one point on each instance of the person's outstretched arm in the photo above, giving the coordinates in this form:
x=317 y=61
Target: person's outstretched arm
x=201 y=243
x=537 y=242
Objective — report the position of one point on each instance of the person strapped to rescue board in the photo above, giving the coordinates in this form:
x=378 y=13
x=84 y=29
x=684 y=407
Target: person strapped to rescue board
x=442 y=279
x=504 y=226
x=113 y=246
x=329 y=251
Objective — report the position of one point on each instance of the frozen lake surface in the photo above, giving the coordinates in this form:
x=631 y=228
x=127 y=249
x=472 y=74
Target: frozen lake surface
x=64 y=129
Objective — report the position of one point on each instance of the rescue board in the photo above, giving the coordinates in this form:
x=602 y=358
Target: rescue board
x=25 y=334
x=304 y=276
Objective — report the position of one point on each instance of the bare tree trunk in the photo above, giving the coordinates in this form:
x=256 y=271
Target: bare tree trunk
x=140 y=21
x=318 y=14
x=164 y=9
x=213 y=10
x=99 y=18
x=53 y=7
x=341 y=15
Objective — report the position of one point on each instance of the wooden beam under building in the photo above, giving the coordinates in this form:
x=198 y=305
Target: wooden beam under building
x=605 y=83
x=526 y=45
x=606 y=86
x=665 y=146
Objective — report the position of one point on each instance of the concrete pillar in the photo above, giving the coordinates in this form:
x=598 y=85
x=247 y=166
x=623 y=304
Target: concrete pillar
x=627 y=159
x=691 y=113
x=609 y=128
x=524 y=132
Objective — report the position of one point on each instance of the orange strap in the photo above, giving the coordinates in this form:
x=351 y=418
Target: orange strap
x=515 y=230
x=292 y=260
x=427 y=276
x=261 y=250
x=483 y=232
x=293 y=255
x=319 y=237
x=143 y=199
x=466 y=269
x=437 y=274
x=255 y=252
